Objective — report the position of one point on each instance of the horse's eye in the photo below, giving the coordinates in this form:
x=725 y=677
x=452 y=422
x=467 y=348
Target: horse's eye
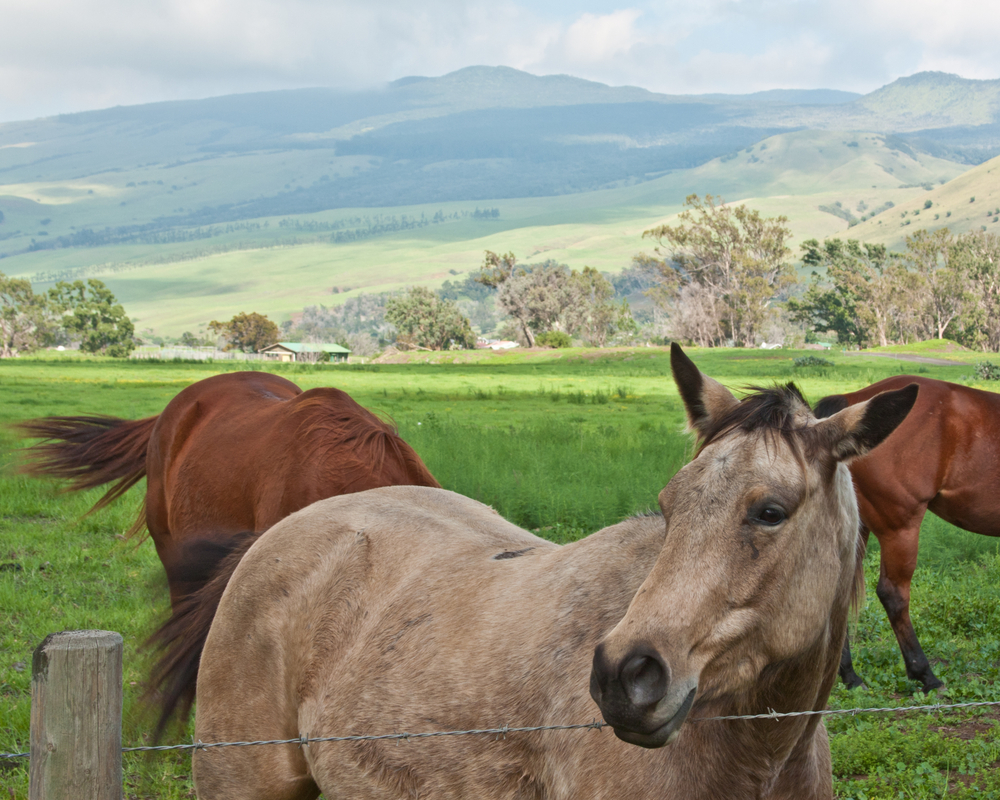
x=770 y=515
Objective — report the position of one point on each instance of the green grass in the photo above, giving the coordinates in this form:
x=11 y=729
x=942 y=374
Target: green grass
x=562 y=442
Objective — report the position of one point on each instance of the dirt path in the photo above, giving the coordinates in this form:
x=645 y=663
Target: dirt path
x=906 y=357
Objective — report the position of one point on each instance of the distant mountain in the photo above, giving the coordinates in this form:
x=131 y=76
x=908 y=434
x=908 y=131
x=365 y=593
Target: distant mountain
x=970 y=202
x=935 y=100
x=476 y=134
x=792 y=97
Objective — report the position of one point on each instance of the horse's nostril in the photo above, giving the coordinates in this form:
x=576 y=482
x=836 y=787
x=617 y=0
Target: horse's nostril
x=644 y=678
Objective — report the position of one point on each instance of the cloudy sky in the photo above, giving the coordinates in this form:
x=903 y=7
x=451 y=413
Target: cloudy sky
x=70 y=55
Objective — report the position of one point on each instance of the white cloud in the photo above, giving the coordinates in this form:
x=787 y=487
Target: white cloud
x=593 y=38
x=65 y=55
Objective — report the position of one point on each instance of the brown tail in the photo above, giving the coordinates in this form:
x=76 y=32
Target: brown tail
x=90 y=451
x=206 y=567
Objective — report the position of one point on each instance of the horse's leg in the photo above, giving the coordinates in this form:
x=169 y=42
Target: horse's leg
x=248 y=710
x=850 y=678
x=898 y=561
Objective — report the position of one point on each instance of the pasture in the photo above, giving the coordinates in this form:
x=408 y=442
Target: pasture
x=562 y=442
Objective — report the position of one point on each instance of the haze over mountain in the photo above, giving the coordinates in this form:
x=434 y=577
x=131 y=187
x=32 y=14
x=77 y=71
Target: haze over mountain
x=475 y=134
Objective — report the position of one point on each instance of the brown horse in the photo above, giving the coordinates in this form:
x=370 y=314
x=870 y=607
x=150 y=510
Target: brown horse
x=414 y=609
x=229 y=454
x=228 y=457
x=945 y=457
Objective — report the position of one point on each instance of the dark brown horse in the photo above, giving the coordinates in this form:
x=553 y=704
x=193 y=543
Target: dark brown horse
x=227 y=458
x=415 y=609
x=945 y=457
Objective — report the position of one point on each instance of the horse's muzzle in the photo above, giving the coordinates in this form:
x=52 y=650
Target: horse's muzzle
x=638 y=698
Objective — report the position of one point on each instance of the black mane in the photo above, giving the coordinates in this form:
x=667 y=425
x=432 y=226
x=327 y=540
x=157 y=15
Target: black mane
x=771 y=409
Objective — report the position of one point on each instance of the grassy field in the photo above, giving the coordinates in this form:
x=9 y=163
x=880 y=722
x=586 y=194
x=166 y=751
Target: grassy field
x=970 y=202
x=563 y=442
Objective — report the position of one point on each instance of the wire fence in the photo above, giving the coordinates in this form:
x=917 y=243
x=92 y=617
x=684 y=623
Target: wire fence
x=504 y=730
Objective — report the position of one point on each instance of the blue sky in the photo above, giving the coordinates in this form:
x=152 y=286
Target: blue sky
x=70 y=55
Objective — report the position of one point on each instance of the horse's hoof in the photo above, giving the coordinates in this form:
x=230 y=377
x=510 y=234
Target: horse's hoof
x=853 y=681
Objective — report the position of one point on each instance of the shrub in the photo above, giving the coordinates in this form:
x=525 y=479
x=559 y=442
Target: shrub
x=987 y=371
x=555 y=339
x=811 y=361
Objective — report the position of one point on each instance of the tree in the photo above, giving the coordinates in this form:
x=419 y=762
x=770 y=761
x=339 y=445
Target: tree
x=535 y=297
x=424 y=319
x=736 y=256
x=861 y=298
x=503 y=274
x=25 y=320
x=249 y=333
x=545 y=297
x=944 y=287
x=976 y=256
x=91 y=313
x=188 y=339
x=592 y=315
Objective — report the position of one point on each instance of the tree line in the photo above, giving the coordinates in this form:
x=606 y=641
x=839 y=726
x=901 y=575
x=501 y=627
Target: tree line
x=941 y=286
x=78 y=313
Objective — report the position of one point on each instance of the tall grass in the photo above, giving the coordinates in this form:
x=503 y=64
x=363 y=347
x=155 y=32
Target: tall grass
x=528 y=438
x=540 y=473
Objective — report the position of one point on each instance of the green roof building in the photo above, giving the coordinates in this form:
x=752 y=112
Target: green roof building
x=309 y=352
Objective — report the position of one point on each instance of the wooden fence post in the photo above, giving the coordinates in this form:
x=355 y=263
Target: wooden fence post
x=76 y=717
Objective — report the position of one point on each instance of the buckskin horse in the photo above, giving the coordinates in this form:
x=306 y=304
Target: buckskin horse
x=416 y=609
x=944 y=457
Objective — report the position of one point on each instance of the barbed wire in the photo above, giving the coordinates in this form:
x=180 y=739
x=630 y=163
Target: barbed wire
x=504 y=730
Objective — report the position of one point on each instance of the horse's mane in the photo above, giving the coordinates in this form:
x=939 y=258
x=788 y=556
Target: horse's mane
x=353 y=443
x=776 y=410
x=772 y=409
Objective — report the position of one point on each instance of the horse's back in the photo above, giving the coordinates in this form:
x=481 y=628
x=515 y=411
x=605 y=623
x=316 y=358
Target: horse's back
x=239 y=452
x=409 y=608
x=943 y=456
x=206 y=435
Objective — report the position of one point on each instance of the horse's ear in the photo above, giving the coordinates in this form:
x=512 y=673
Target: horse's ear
x=704 y=399
x=859 y=428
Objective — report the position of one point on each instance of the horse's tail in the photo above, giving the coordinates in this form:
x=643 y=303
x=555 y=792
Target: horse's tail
x=201 y=578
x=90 y=451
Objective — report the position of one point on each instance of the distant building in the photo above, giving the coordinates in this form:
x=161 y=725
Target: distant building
x=304 y=351
x=482 y=343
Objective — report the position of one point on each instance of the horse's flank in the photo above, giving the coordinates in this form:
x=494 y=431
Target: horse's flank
x=355 y=626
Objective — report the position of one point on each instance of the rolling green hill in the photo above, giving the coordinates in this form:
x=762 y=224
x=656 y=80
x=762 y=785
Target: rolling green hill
x=292 y=262
x=969 y=202
x=196 y=210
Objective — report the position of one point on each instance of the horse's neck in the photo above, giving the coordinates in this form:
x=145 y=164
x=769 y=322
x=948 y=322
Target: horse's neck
x=775 y=758
x=616 y=557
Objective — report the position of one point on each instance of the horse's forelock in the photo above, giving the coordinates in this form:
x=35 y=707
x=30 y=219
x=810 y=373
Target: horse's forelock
x=774 y=409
